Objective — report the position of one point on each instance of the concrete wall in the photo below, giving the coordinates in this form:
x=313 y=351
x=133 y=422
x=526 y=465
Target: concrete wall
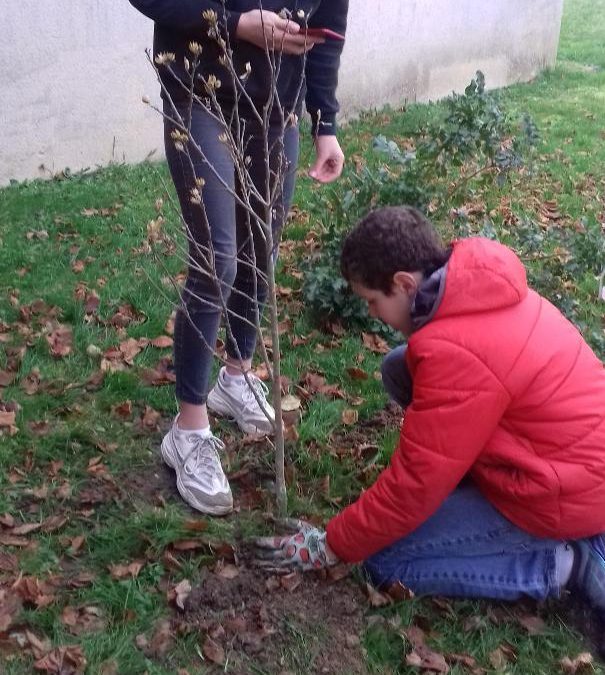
x=72 y=72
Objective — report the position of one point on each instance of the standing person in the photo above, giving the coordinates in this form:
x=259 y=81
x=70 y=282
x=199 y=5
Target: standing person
x=497 y=487
x=190 y=447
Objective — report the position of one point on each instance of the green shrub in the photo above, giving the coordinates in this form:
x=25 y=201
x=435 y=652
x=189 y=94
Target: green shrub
x=472 y=140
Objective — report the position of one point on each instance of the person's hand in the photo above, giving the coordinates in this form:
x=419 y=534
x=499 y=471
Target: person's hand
x=329 y=159
x=306 y=549
x=267 y=29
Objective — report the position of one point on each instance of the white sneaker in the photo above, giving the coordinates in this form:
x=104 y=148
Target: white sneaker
x=236 y=400
x=200 y=479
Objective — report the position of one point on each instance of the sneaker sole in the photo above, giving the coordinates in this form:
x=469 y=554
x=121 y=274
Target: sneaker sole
x=210 y=509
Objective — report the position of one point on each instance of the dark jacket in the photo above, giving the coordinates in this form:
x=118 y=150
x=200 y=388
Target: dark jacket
x=179 y=22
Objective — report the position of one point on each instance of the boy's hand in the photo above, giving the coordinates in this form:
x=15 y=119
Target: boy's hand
x=304 y=550
x=329 y=159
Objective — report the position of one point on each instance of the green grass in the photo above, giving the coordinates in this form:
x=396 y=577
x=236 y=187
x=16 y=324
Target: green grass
x=128 y=522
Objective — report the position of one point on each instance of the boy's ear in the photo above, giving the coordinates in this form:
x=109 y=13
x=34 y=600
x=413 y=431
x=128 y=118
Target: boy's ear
x=405 y=281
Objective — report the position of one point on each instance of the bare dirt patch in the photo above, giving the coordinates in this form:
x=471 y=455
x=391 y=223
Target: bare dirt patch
x=300 y=625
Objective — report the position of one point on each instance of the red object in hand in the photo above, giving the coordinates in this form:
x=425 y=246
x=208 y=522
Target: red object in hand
x=324 y=33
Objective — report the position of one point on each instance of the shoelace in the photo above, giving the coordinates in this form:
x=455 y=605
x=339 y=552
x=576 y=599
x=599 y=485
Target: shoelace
x=259 y=387
x=204 y=455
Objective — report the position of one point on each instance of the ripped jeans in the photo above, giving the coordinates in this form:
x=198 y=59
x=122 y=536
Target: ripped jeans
x=234 y=279
x=466 y=548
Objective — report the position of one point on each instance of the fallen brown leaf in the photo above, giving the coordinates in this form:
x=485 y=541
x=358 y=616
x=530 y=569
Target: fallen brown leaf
x=7 y=421
x=399 y=591
x=375 y=597
x=290 y=582
x=350 y=416
x=132 y=570
x=60 y=341
x=162 y=342
x=8 y=562
x=123 y=410
x=375 y=343
x=583 y=663
x=150 y=419
x=160 y=375
x=26 y=528
x=53 y=523
x=421 y=655
x=188 y=544
x=31 y=383
x=12 y=540
x=534 y=625
x=63 y=661
x=76 y=544
x=213 y=651
x=10 y=607
x=6 y=378
x=161 y=640
x=82 y=620
x=7 y=520
x=356 y=373
x=181 y=593
x=502 y=655
x=226 y=570
x=129 y=349
x=33 y=591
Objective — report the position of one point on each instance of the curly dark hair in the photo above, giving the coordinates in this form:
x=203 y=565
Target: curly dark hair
x=389 y=240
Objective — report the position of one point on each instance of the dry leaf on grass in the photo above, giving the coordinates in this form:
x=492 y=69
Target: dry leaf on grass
x=375 y=343
x=376 y=598
x=33 y=591
x=161 y=640
x=62 y=661
x=357 y=373
x=123 y=410
x=150 y=419
x=502 y=655
x=583 y=663
x=161 y=342
x=399 y=591
x=421 y=655
x=534 y=625
x=31 y=383
x=7 y=422
x=290 y=582
x=226 y=570
x=75 y=544
x=213 y=651
x=80 y=620
x=180 y=593
x=350 y=416
x=6 y=378
x=132 y=570
x=60 y=341
x=10 y=607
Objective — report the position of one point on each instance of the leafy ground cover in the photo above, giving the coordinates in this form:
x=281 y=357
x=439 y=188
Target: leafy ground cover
x=102 y=568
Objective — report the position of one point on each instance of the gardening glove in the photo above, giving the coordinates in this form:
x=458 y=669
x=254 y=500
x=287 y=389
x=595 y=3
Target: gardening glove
x=304 y=550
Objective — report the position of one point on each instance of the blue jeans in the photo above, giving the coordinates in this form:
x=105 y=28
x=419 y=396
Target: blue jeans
x=466 y=548
x=240 y=254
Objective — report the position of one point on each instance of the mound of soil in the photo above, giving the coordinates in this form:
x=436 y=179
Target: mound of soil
x=296 y=624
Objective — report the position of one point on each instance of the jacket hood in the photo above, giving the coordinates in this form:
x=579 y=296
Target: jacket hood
x=482 y=275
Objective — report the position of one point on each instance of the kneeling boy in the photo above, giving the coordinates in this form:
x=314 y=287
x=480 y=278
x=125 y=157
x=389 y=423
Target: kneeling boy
x=497 y=486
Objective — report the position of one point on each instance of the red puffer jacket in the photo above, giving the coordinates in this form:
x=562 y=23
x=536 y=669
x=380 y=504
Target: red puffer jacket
x=504 y=388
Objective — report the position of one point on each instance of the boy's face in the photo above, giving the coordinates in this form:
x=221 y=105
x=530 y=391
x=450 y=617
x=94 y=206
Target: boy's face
x=394 y=309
